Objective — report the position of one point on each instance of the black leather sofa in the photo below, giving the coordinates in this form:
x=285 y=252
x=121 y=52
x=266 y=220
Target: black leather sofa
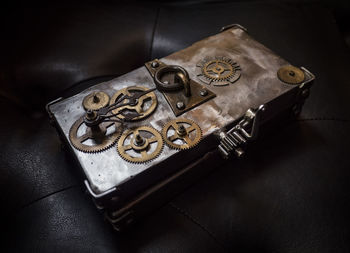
x=290 y=193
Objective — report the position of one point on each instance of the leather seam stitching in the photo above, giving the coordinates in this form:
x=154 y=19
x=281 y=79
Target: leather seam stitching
x=47 y=195
x=188 y=216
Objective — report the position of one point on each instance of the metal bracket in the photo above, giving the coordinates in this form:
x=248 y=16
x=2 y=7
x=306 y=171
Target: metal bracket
x=226 y=27
x=234 y=140
x=303 y=92
x=188 y=96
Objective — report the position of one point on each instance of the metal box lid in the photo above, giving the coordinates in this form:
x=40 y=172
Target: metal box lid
x=257 y=84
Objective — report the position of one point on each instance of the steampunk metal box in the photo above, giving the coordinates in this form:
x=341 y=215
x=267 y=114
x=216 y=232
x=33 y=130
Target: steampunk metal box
x=137 y=134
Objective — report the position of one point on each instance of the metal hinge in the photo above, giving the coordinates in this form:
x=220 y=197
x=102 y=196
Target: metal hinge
x=236 y=138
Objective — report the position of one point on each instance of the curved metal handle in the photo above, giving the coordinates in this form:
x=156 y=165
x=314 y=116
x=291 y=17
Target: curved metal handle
x=185 y=80
x=162 y=86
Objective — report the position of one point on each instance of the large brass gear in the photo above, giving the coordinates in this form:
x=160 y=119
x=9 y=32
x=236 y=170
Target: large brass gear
x=100 y=139
x=140 y=144
x=144 y=106
x=291 y=75
x=95 y=101
x=218 y=71
x=176 y=135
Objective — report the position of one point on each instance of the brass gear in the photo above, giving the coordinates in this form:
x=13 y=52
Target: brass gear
x=291 y=74
x=218 y=71
x=95 y=100
x=176 y=135
x=99 y=138
x=135 y=145
x=139 y=107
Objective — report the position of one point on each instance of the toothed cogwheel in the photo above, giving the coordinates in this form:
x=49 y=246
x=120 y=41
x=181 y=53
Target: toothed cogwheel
x=140 y=144
x=96 y=140
x=181 y=133
x=218 y=71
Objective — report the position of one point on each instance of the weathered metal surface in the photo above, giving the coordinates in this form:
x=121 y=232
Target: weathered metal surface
x=258 y=84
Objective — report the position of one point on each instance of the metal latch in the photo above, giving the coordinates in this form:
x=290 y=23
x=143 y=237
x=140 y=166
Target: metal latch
x=235 y=139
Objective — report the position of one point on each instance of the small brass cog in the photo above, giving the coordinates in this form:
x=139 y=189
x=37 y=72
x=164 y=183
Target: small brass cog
x=291 y=75
x=144 y=106
x=95 y=101
x=140 y=144
x=218 y=71
x=93 y=140
x=181 y=133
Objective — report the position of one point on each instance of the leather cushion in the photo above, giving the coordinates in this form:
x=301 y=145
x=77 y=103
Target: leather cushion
x=290 y=193
x=60 y=44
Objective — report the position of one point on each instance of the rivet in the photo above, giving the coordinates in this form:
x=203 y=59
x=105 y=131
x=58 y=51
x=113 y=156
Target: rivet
x=203 y=92
x=180 y=105
x=154 y=64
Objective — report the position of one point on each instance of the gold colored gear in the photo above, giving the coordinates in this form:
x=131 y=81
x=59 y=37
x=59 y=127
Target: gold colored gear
x=99 y=137
x=218 y=69
x=135 y=144
x=291 y=74
x=95 y=101
x=139 y=106
x=186 y=136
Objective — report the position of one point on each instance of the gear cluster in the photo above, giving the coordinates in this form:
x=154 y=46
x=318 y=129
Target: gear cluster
x=136 y=144
x=218 y=71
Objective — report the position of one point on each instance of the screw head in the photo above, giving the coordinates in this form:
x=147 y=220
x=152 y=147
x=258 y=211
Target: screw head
x=139 y=141
x=154 y=64
x=91 y=115
x=182 y=130
x=203 y=92
x=180 y=105
x=239 y=152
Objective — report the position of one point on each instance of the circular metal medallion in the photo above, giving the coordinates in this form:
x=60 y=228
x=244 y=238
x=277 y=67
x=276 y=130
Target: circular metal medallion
x=218 y=71
x=291 y=75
